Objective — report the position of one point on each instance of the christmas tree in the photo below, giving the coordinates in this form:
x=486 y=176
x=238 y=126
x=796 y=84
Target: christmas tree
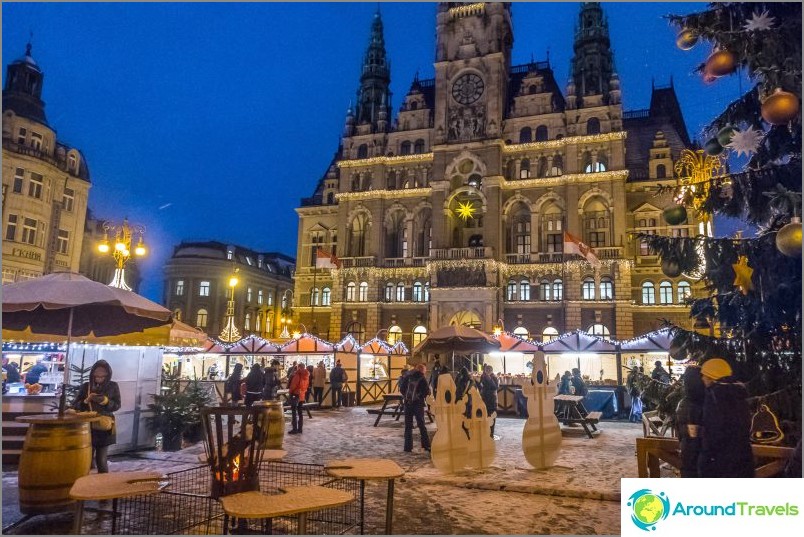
x=750 y=169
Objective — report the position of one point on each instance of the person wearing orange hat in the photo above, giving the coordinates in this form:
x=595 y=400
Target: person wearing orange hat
x=726 y=443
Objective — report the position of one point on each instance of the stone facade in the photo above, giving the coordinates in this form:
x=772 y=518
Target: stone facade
x=456 y=211
x=45 y=183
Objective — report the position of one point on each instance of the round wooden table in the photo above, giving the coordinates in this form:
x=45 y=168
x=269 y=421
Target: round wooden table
x=369 y=469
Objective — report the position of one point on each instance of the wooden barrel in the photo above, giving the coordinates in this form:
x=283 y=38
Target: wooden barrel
x=55 y=454
x=273 y=424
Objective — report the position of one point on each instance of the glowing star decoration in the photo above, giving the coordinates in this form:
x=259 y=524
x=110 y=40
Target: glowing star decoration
x=759 y=22
x=746 y=141
x=742 y=275
x=466 y=210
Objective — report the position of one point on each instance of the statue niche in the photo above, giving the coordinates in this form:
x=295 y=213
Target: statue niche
x=467 y=123
x=461 y=277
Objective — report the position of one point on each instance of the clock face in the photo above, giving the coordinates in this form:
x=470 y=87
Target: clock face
x=468 y=88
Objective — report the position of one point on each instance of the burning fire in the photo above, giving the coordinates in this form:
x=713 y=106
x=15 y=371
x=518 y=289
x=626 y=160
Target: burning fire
x=233 y=469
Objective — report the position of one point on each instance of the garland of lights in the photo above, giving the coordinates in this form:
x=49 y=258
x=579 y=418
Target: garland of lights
x=570 y=140
x=421 y=157
x=385 y=194
x=565 y=179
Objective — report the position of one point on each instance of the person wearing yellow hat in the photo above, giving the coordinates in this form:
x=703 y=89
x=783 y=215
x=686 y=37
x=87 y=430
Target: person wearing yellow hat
x=726 y=443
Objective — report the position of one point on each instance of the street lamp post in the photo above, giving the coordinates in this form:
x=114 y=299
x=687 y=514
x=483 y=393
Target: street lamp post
x=123 y=235
x=230 y=332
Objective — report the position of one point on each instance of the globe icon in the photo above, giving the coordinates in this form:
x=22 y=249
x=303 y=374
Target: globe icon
x=648 y=509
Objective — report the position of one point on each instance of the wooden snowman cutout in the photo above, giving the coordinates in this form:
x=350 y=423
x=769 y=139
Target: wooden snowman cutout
x=481 y=444
x=450 y=446
x=541 y=436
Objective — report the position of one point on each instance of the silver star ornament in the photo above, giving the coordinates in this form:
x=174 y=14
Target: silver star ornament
x=759 y=22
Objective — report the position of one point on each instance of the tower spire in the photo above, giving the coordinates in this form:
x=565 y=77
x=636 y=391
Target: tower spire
x=23 y=90
x=593 y=62
x=374 y=95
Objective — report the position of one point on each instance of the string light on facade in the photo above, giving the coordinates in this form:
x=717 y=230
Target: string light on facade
x=123 y=236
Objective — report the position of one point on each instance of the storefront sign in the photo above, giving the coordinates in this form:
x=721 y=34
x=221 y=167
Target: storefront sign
x=27 y=254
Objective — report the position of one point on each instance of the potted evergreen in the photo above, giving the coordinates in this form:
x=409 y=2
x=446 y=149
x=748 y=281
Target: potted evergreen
x=171 y=412
x=198 y=396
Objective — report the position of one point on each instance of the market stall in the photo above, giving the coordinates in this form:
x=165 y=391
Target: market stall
x=513 y=364
x=380 y=365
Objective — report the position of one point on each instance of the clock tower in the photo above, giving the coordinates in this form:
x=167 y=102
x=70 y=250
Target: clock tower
x=473 y=57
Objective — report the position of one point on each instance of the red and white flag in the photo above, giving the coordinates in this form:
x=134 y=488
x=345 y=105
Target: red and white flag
x=574 y=245
x=324 y=259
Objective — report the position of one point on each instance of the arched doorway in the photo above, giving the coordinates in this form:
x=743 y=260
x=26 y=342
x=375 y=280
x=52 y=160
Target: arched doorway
x=466 y=318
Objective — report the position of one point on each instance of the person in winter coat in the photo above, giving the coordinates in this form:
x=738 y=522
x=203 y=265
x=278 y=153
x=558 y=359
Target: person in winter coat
x=726 y=443
x=296 y=390
x=102 y=395
x=462 y=382
x=634 y=385
x=310 y=371
x=33 y=374
x=319 y=382
x=415 y=389
x=255 y=381
x=488 y=392
x=566 y=382
x=578 y=383
x=660 y=373
x=437 y=370
x=13 y=373
x=231 y=388
x=337 y=378
x=689 y=415
x=271 y=381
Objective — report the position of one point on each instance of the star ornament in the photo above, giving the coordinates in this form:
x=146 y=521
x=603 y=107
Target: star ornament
x=466 y=210
x=759 y=22
x=746 y=141
x=742 y=275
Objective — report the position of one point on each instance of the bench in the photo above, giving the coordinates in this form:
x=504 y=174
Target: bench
x=305 y=406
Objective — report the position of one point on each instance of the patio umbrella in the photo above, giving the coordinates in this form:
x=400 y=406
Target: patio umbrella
x=457 y=338
x=68 y=304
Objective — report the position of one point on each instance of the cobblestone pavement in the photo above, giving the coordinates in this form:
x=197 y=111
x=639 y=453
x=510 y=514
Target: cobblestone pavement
x=579 y=495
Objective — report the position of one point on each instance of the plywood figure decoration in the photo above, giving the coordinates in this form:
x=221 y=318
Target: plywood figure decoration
x=481 y=444
x=541 y=436
x=450 y=446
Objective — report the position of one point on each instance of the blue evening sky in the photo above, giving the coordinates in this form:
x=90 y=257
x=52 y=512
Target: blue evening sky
x=211 y=121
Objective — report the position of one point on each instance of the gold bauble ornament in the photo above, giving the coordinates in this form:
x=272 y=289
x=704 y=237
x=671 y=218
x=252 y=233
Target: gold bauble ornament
x=720 y=63
x=686 y=39
x=780 y=108
x=788 y=239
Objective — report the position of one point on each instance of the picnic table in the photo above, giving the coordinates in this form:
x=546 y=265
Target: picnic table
x=569 y=410
x=396 y=408
x=366 y=469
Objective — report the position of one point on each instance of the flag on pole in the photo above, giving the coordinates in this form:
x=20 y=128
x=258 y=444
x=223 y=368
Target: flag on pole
x=324 y=259
x=574 y=245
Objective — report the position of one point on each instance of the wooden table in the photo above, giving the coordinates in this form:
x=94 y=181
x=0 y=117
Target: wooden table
x=112 y=486
x=569 y=410
x=369 y=469
x=293 y=501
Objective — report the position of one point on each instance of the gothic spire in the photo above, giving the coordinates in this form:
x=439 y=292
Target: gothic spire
x=593 y=62
x=374 y=95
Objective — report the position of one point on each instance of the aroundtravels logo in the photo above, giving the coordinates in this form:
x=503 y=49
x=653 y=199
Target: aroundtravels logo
x=648 y=508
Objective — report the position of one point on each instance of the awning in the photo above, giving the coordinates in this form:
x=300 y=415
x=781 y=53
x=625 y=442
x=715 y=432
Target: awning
x=512 y=343
x=656 y=341
x=579 y=341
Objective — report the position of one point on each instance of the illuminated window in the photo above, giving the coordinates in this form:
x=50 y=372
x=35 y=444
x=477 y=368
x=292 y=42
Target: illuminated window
x=598 y=329
x=419 y=333
x=247 y=323
x=67 y=199
x=351 y=289
x=389 y=292
x=522 y=332
x=248 y=294
x=179 y=287
x=325 y=296
x=588 y=289
x=177 y=314
x=201 y=318
x=363 y=292
x=544 y=290
x=606 y=289
x=36 y=140
x=314 y=296
x=63 y=241
x=394 y=334
x=648 y=293
x=259 y=296
x=427 y=291
x=665 y=292
x=524 y=290
x=400 y=292
x=684 y=291
x=558 y=290
x=418 y=292
x=203 y=289
x=549 y=334
x=511 y=290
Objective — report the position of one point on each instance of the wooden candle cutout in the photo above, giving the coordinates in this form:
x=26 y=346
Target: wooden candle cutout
x=541 y=436
x=481 y=445
x=450 y=446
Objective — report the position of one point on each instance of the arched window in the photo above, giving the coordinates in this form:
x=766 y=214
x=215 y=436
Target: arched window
x=587 y=162
x=602 y=163
x=419 y=333
x=542 y=171
x=661 y=171
x=362 y=151
x=665 y=292
x=394 y=334
x=648 y=293
x=519 y=231
x=201 y=318
x=325 y=296
x=684 y=291
x=390 y=181
x=558 y=290
x=544 y=290
x=524 y=169
x=588 y=289
x=511 y=290
x=557 y=167
x=363 y=296
x=418 y=147
x=524 y=290
x=606 y=289
x=400 y=292
x=358 y=235
x=549 y=334
x=404 y=149
x=598 y=329
x=418 y=292
x=427 y=291
x=258 y=323
x=389 y=292
x=367 y=182
x=525 y=135
x=355 y=182
x=351 y=289
x=177 y=314
x=593 y=126
x=247 y=323
x=541 y=133
x=522 y=332
x=314 y=296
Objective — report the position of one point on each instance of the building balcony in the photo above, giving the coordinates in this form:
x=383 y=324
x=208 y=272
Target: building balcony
x=475 y=252
x=608 y=252
x=392 y=262
x=366 y=261
x=21 y=149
